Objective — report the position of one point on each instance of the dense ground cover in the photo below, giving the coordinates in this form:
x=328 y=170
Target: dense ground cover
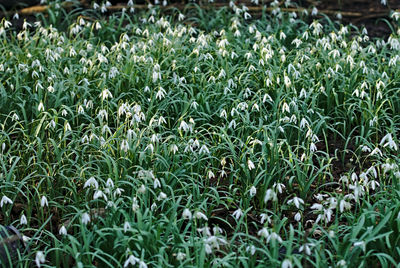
x=201 y=140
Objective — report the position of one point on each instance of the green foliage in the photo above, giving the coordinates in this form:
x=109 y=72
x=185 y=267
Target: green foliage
x=199 y=141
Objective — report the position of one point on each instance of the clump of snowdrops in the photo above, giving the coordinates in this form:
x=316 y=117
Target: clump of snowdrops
x=201 y=139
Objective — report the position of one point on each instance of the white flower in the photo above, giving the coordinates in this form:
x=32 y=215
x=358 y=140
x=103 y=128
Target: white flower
x=135 y=205
x=297 y=217
x=265 y=217
x=253 y=191
x=142 y=189
x=43 y=201
x=387 y=140
x=160 y=93
x=157 y=183
x=161 y=196
x=251 y=249
x=279 y=186
x=204 y=149
x=180 y=256
x=344 y=205
x=313 y=147
x=98 y=194
x=124 y=146
x=287 y=264
x=5 y=200
x=39 y=259
x=317 y=206
x=186 y=214
x=275 y=237
x=41 y=107
x=250 y=164
x=237 y=214
x=131 y=260
x=23 y=220
x=105 y=94
x=127 y=226
x=306 y=248
x=85 y=218
x=200 y=215
x=174 y=148
x=63 y=230
x=396 y=15
x=296 y=201
x=361 y=244
x=270 y=195
x=184 y=126
x=263 y=233
x=91 y=182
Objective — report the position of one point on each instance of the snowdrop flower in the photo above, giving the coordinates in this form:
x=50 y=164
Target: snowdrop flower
x=396 y=15
x=237 y=214
x=142 y=189
x=41 y=107
x=317 y=206
x=135 y=205
x=286 y=264
x=250 y=164
x=387 y=140
x=361 y=244
x=39 y=258
x=270 y=195
x=205 y=231
x=274 y=237
x=200 y=215
x=63 y=230
x=313 y=147
x=157 y=184
x=91 y=182
x=85 y=218
x=124 y=146
x=265 y=217
x=296 y=201
x=251 y=249
x=204 y=150
x=297 y=216
x=5 y=200
x=127 y=226
x=23 y=220
x=132 y=260
x=110 y=183
x=98 y=194
x=161 y=196
x=181 y=17
x=344 y=205
x=174 y=148
x=161 y=93
x=253 y=191
x=306 y=248
x=186 y=214
x=105 y=94
x=43 y=202
x=263 y=233
x=184 y=126
x=279 y=186
x=180 y=256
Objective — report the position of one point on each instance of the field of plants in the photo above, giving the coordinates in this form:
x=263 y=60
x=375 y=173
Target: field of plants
x=200 y=138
